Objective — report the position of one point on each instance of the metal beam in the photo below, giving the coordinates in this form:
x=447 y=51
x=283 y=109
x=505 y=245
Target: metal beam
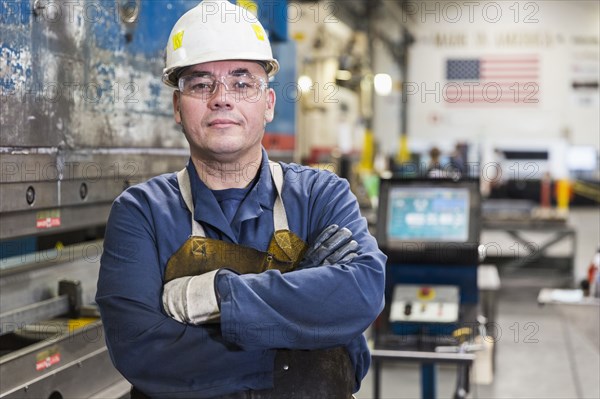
x=44 y=310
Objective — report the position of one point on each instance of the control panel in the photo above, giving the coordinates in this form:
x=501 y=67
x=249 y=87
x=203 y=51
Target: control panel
x=425 y=303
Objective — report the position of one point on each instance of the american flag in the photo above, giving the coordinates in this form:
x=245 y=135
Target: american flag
x=500 y=80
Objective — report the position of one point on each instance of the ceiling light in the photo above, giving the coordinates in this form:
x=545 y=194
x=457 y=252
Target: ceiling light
x=305 y=83
x=383 y=84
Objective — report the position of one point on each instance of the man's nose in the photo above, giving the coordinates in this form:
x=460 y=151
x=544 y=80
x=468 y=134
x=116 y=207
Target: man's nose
x=221 y=97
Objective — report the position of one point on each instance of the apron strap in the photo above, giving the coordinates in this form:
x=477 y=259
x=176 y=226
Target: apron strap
x=183 y=178
x=279 y=216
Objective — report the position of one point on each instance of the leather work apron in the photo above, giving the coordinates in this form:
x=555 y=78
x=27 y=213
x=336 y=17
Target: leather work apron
x=298 y=374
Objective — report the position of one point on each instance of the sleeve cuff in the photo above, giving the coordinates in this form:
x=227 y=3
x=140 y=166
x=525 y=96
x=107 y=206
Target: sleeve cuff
x=221 y=287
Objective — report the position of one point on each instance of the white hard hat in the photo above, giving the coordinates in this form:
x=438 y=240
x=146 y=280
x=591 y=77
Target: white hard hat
x=216 y=30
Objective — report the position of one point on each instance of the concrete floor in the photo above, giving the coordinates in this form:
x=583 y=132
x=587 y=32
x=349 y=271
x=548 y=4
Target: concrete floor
x=542 y=352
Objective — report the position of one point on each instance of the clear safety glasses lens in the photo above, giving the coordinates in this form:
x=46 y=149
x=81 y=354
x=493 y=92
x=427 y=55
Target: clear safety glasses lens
x=243 y=86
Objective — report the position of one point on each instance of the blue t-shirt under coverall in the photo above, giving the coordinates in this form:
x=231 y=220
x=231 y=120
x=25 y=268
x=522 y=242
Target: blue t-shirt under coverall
x=314 y=308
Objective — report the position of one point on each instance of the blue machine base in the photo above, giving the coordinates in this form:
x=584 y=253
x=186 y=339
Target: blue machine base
x=464 y=277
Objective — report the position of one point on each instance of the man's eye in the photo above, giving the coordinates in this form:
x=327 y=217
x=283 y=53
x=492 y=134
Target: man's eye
x=241 y=84
x=201 y=86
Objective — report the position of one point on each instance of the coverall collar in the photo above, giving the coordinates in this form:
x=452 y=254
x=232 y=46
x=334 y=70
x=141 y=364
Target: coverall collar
x=208 y=211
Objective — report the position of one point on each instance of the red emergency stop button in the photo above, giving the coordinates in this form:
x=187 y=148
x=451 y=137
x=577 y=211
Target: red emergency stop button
x=426 y=293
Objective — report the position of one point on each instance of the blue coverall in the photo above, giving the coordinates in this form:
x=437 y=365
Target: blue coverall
x=313 y=308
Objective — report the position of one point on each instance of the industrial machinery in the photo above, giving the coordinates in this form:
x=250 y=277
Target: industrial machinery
x=84 y=115
x=429 y=228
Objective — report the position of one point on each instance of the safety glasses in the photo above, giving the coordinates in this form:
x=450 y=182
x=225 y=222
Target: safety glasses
x=244 y=86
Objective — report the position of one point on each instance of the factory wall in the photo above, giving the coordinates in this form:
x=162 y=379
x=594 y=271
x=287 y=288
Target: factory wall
x=550 y=103
x=555 y=98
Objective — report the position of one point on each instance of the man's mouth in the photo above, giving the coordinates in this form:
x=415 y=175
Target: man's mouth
x=222 y=123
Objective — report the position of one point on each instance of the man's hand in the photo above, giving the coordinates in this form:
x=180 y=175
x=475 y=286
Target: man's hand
x=333 y=246
x=192 y=299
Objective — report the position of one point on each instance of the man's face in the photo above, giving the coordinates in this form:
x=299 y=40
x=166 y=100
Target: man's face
x=224 y=126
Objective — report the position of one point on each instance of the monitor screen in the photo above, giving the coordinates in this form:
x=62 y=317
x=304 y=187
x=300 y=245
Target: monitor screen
x=434 y=214
x=582 y=158
x=422 y=221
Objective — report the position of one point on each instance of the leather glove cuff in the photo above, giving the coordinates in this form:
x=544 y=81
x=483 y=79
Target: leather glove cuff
x=192 y=299
x=202 y=303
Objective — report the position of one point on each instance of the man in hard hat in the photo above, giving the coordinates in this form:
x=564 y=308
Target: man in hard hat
x=236 y=277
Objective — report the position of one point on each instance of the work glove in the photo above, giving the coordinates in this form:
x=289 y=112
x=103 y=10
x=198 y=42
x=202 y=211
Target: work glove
x=333 y=246
x=192 y=299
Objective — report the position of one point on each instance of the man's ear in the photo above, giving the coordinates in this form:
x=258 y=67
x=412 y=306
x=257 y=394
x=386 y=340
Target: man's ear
x=177 y=106
x=270 y=109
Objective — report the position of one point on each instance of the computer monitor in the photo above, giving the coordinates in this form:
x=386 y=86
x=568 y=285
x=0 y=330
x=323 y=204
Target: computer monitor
x=429 y=220
x=582 y=159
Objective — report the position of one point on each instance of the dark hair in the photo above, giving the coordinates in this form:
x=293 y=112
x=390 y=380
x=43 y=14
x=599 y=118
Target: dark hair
x=266 y=66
